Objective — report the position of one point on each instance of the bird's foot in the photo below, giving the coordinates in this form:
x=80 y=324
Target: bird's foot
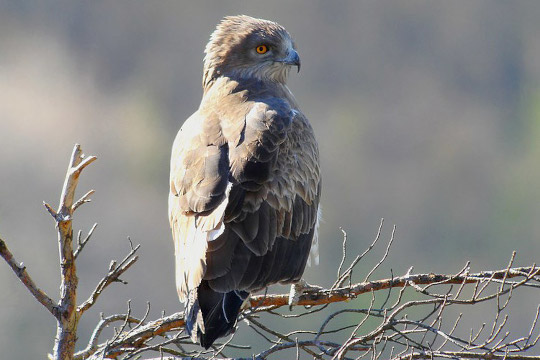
x=299 y=288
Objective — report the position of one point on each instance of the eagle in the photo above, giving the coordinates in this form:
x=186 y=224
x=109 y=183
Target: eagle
x=245 y=179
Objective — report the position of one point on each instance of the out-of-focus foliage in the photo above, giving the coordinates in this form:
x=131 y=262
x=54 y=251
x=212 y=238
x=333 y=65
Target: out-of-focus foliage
x=427 y=114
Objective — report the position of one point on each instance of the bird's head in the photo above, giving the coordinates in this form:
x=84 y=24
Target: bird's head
x=245 y=47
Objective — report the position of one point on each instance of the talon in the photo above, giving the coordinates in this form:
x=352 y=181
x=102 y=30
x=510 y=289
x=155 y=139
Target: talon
x=299 y=288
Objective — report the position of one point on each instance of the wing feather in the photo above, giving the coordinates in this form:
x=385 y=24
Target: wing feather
x=244 y=196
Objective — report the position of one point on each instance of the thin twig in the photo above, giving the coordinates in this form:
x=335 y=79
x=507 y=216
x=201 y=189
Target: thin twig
x=348 y=271
x=115 y=271
x=385 y=254
x=82 y=244
x=83 y=200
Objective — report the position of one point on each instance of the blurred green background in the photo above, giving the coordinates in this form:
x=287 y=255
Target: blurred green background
x=427 y=114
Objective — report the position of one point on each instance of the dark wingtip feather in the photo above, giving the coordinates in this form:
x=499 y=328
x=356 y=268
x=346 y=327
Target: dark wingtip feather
x=193 y=316
x=219 y=311
x=207 y=340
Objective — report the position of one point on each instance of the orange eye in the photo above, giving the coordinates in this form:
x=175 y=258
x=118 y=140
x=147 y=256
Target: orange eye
x=261 y=49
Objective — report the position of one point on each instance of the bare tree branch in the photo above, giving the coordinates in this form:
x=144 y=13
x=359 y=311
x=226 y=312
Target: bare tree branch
x=82 y=243
x=20 y=270
x=347 y=273
x=92 y=346
x=115 y=271
x=68 y=318
x=464 y=355
x=138 y=338
x=326 y=296
x=83 y=200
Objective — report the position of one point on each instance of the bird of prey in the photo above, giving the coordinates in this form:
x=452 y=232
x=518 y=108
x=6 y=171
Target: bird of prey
x=245 y=181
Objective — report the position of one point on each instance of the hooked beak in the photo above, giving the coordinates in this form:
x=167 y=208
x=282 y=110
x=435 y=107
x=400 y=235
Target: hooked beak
x=292 y=59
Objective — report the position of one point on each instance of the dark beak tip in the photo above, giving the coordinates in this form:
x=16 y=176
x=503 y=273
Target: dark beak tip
x=292 y=60
x=297 y=62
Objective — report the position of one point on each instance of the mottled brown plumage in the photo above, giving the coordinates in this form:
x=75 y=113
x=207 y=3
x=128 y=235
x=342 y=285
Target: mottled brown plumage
x=245 y=181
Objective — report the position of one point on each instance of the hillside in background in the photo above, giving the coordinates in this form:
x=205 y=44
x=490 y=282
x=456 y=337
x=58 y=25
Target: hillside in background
x=427 y=114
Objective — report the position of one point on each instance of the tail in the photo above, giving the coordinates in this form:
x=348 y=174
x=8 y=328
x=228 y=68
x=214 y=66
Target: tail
x=210 y=314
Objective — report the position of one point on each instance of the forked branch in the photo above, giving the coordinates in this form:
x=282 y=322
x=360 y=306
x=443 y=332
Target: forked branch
x=115 y=271
x=68 y=319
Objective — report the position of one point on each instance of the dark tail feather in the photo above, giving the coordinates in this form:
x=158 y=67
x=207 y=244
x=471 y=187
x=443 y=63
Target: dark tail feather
x=210 y=314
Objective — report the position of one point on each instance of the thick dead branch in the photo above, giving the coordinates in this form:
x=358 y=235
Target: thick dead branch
x=326 y=296
x=65 y=311
x=68 y=318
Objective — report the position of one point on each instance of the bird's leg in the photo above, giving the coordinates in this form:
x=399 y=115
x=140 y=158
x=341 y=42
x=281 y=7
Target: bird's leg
x=246 y=304
x=299 y=288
